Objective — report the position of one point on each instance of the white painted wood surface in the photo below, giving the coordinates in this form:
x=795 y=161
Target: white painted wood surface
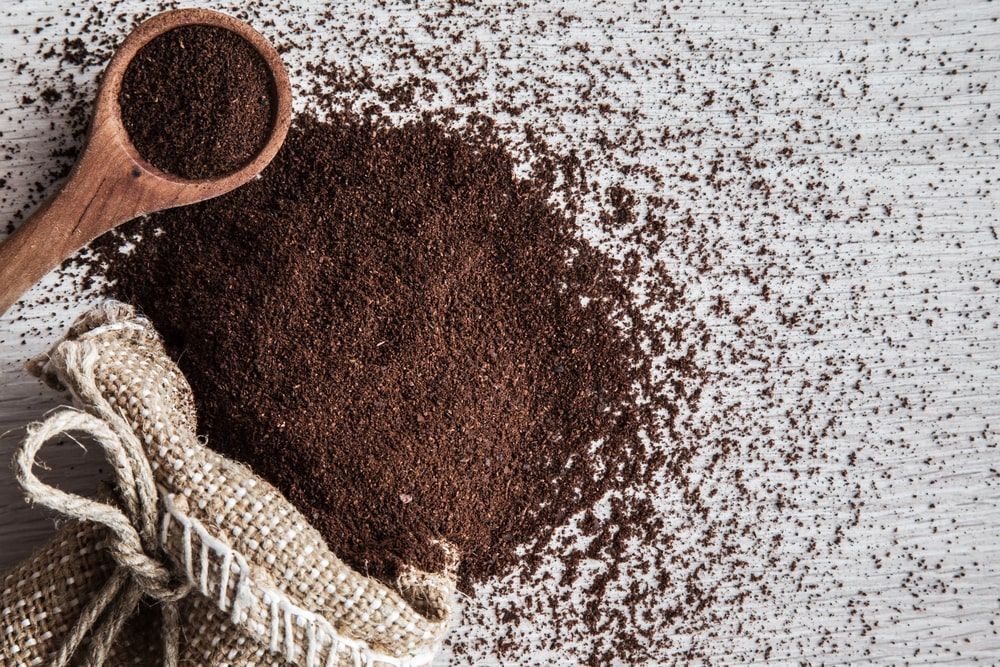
x=884 y=232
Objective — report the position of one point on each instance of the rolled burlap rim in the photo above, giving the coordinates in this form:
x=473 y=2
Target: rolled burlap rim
x=230 y=561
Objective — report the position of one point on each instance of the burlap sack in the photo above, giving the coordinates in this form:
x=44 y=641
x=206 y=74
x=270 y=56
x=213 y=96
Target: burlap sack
x=190 y=558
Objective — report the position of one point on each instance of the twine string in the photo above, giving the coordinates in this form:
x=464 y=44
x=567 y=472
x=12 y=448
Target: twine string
x=140 y=566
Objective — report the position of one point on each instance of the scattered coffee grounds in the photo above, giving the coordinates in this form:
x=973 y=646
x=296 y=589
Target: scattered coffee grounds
x=410 y=342
x=197 y=101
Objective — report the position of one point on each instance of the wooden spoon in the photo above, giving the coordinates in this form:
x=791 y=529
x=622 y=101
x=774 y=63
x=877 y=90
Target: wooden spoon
x=111 y=183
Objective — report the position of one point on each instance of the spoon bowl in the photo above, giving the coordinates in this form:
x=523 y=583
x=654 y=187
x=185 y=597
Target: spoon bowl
x=111 y=183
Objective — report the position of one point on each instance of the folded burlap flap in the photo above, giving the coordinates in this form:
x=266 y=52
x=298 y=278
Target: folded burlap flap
x=239 y=575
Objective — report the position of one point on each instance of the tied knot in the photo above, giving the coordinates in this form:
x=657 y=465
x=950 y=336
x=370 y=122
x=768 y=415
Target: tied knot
x=155 y=579
x=141 y=566
x=155 y=574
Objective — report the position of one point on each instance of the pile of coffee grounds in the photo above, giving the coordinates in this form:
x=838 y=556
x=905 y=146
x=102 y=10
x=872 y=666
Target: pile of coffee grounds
x=197 y=101
x=409 y=341
x=722 y=197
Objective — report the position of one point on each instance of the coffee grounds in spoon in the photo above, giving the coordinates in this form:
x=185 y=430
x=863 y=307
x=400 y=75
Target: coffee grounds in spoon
x=197 y=101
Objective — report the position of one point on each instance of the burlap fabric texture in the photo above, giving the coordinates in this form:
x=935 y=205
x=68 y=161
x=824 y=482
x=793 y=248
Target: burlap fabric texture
x=188 y=558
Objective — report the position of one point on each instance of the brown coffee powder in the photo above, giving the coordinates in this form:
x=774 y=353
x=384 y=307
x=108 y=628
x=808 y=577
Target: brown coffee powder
x=402 y=336
x=197 y=101
x=681 y=566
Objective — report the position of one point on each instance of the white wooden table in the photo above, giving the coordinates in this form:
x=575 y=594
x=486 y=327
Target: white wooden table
x=856 y=147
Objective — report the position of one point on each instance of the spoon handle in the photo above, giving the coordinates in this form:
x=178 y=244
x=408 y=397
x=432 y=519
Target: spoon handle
x=104 y=190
